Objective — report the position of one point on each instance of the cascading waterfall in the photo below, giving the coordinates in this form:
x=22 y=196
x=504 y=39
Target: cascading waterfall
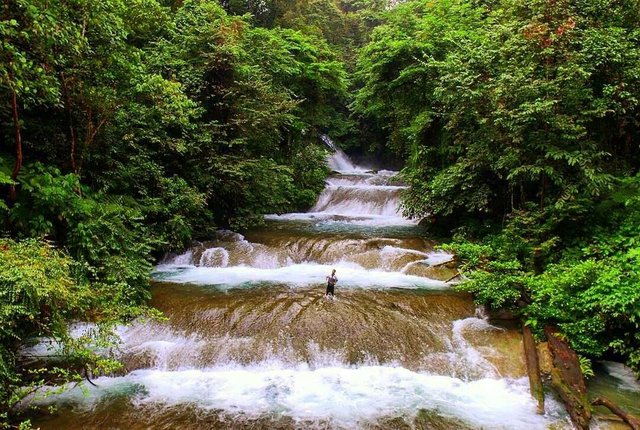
x=355 y=195
x=338 y=160
x=214 y=257
x=251 y=342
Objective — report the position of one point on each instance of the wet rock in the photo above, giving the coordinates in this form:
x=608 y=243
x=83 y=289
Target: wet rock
x=441 y=273
x=545 y=359
x=502 y=315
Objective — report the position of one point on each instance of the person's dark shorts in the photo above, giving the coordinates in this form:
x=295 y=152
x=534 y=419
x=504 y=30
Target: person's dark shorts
x=330 y=289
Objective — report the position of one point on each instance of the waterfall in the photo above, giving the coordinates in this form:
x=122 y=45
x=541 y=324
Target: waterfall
x=215 y=257
x=354 y=195
x=250 y=341
x=339 y=161
x=329 y=143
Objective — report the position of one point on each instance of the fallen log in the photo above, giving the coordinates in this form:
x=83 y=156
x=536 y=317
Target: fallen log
x=533 y=368
x=633 y=421
x=567 y=379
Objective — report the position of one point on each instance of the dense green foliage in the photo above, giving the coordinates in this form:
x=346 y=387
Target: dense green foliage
x=520 y=126
x=131 y=128
x=589 y=288
x=40 y=293
x=499 y=106
x=343 y=23
x=346 y=25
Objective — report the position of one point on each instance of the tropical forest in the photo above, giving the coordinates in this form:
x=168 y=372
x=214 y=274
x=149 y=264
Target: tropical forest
x=320 y=214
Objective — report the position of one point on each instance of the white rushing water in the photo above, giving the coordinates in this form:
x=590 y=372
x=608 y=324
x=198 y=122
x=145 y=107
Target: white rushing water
x=439 y=257
x=355 y=200
x=361 y=254
x=43 y=348
x=624 y=376
x=327 y=218
x=345 y=397
x=338 y=160
x=220 y=356
x=354 y=195
x=298 y=275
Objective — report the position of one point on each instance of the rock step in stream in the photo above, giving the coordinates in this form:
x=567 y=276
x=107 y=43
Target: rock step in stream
x=250 y=341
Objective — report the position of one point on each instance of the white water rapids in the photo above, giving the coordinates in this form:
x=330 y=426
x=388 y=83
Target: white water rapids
x=331 y=396
x=250 y=342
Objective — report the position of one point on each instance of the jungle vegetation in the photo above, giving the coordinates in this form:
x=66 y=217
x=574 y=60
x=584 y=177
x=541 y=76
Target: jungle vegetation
x=131 y=128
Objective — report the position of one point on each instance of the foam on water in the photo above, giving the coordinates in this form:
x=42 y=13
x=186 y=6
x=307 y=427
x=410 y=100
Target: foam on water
x=163 y=347
x=354 y=195
x=359 y=200
x=360 y=179
x=340 y=162
x=271 y=251
x=431 y=259
x=365 y=188
x=392 y=250
x=438 y=257
x=241 y=356
x=184 y=259
x=45 y=347
x=472 y=356
x=624 y=376
x=362 y=219
x=181 y=260
x=346 y=397
x=215 y=257
x=349 y=275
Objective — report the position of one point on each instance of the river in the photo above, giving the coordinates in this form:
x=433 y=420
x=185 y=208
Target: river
x=250 y=340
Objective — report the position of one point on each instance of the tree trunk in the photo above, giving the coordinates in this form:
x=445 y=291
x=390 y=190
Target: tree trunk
x=72 y=131
x=92 y=131
x=18 y=143
x=533 y=368
x=633 y=421
x=567 y=379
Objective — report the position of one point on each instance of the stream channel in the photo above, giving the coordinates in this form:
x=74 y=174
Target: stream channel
x=250 y=340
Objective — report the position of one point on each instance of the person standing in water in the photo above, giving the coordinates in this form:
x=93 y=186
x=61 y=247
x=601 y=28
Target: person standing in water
x=331 y=283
